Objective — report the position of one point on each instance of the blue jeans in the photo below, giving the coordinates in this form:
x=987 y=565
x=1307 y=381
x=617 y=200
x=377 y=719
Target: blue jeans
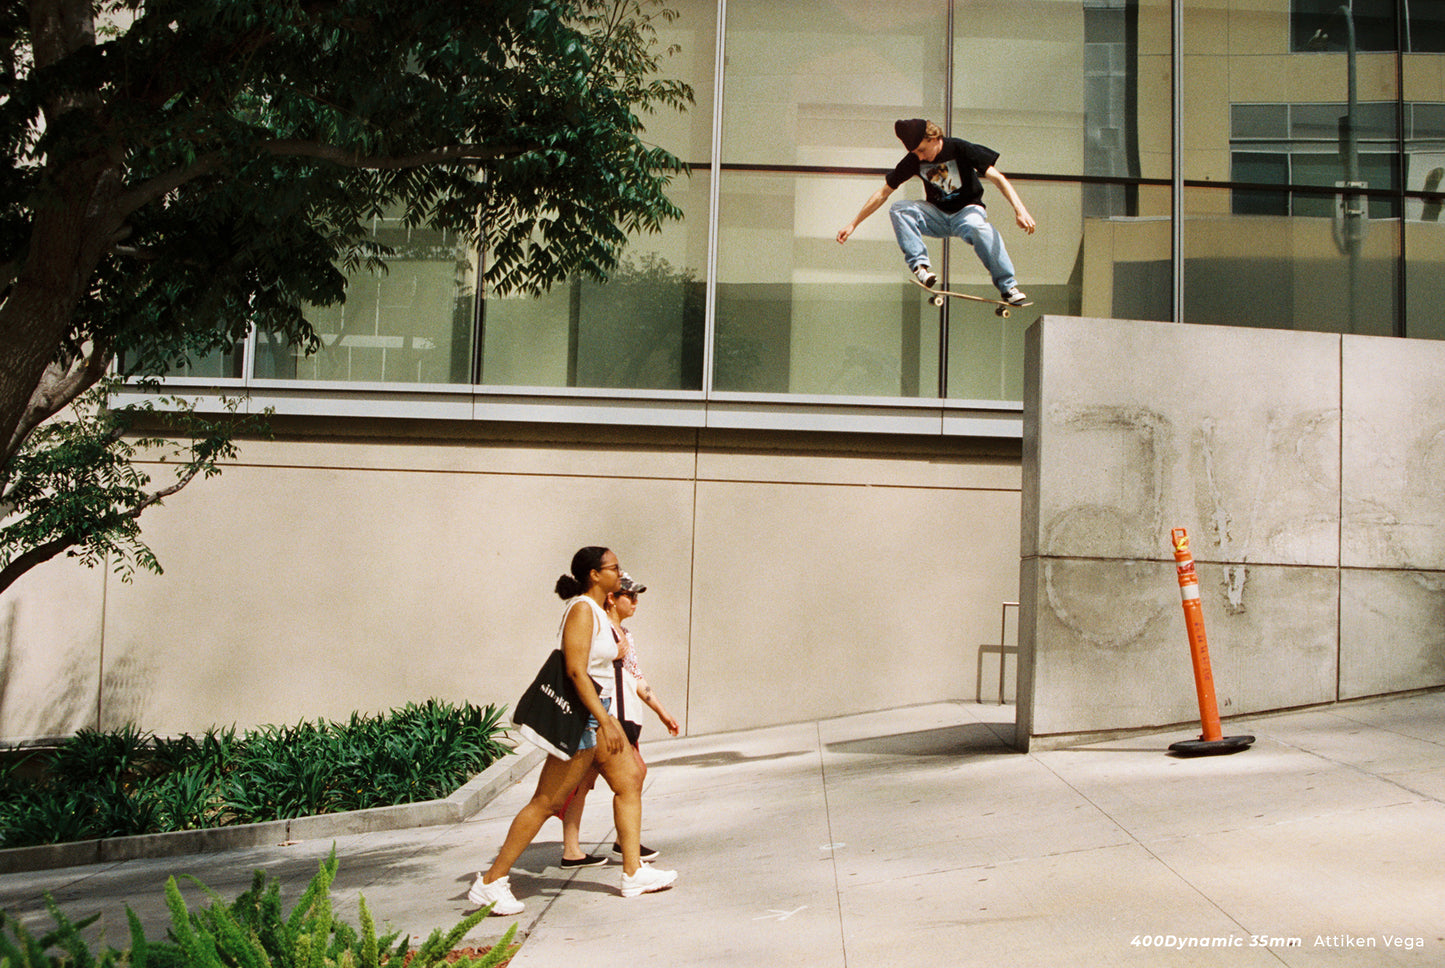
x=589 y=733
x=912 y=220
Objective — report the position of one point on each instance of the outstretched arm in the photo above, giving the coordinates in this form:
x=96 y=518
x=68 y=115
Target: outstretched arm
x=1022 y=216
x=869 y=207
x=645 y=693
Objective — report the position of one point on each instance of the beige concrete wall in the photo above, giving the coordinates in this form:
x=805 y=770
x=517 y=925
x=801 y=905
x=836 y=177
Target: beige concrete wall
x=359 y=565
x=50 y=650
x=1306 y=468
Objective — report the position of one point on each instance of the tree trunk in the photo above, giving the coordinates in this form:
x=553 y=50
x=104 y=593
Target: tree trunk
x=70 y=235
x=73 y=228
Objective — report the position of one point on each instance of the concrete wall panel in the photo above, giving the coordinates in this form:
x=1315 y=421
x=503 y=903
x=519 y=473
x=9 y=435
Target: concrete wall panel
x=336 y=569
x=823 y=600
x=1392 y=631
x=1394 y=446
x=362 y=590
x=1100 y=634
x=1285 y=455
x=1116 y=651
x=50 y=650
x=1140 y=432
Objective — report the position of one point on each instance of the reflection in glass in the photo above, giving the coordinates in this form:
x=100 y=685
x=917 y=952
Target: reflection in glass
x=1425 y=277
x=797 y=312
x=1076 y=97
x=1022 y=85
x=1320 y=25
x=1286 y=272
x=1424 y=178
x=411 y=323
x=642 y=329
x=223 y=364
x=820 y=82
x=1304 y=145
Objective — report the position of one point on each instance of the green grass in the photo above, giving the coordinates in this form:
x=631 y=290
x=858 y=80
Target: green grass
x=126 y=782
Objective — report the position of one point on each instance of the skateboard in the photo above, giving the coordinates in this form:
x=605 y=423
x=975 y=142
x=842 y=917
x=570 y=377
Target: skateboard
x=938 y=294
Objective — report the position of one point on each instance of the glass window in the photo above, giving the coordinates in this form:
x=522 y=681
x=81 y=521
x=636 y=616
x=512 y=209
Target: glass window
x=1259 y=122
x=820 y=82
x=1305 y=145
x=1260 y=168
x=1112 y=137
x=1425 y=276
x=1111 y=144
x=1424 y=177
x=1307 y=273
x=997 y=97
x=643 y=328
x=985 y=352
x=411 y=323
x=1247 y=89
x=223 y=364
x=1321 y=25
x=798 y=313
x=1124 y=268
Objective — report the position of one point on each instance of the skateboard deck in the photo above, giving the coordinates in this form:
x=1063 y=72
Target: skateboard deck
x=938 y=294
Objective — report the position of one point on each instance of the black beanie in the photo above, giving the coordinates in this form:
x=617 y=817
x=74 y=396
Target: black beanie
x=910 y=131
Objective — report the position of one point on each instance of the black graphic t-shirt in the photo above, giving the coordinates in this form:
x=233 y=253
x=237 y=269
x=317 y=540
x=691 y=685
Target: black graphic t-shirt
x=951 y=180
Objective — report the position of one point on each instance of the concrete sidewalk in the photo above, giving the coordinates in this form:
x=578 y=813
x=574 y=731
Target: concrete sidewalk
x=917 y=837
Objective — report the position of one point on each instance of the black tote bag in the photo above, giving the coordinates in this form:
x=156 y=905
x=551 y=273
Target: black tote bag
x=550 y=714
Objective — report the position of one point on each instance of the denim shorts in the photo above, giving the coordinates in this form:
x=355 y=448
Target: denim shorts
x=589 y=734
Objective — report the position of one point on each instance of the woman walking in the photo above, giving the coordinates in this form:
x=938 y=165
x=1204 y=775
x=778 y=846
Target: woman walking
x=589 y=649
x=621 y=606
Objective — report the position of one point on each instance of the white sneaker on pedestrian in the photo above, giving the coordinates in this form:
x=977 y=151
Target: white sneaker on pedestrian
x=498 y=894
x=646 y=880
x=925 y=275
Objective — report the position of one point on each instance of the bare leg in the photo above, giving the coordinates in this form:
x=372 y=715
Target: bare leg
x=559 y=778
x=572 y=819
x=624 y=775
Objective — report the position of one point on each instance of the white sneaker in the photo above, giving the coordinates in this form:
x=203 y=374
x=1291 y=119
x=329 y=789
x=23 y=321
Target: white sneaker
x=646 y=880
x=925 y=275
x=1015 y=298
x=498 y=894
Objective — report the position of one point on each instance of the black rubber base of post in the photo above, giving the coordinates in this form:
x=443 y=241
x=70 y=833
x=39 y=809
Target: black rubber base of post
x=1211 y=747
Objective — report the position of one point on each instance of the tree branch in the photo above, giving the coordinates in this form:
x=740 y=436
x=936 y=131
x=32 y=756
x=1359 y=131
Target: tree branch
x=57 y=388
x=147 y=192
x=158 y=187
x=43 y=553
x=320 y=151
x=165 y=492
x=35 y=556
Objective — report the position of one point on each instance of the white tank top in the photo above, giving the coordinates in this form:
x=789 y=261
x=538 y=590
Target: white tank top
x=604 y=646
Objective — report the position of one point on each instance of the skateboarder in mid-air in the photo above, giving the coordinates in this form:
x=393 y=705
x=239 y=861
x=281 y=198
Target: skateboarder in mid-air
x=950 y=169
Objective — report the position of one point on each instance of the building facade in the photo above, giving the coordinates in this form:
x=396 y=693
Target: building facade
x=814 y=470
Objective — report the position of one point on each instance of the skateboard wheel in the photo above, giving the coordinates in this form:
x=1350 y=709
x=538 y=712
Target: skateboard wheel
x=937 y=300
x=1003 y=312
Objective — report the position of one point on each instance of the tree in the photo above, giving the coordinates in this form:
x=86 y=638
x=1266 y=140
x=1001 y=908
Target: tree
x=184 y=170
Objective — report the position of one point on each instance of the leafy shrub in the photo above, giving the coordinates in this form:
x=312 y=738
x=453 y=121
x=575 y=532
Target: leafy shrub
x=91 y=756
x=45 y=816
x=126 y=782
x=251 y=932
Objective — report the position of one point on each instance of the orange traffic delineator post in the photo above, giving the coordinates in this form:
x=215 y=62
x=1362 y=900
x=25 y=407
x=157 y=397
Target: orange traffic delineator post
x=1210 y=742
